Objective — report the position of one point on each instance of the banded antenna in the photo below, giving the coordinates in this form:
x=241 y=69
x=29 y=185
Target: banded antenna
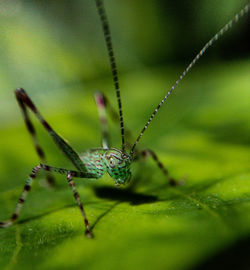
x=220 y=33
x=107 y=36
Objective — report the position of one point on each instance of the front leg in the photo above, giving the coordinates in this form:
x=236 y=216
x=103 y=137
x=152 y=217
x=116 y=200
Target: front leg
x=148 y=152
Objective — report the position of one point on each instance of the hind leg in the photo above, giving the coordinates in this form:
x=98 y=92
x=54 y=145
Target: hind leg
x=27 y=187
x=31 y=130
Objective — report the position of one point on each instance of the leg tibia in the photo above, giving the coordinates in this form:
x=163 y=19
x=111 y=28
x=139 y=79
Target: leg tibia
x=101 y=106
x=104 y=107
x=21 y=200
x=151 y=153
x=22 y=98
x=27 y=188
x=25 y=101
x=88 y=231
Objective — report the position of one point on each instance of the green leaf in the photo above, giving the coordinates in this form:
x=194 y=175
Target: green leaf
x=57 y=53
x=201 y=135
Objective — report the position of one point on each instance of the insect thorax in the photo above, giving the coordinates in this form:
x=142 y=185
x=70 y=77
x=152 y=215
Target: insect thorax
x=113 y=161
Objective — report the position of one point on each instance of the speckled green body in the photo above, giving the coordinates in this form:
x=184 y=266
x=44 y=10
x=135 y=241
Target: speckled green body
x=113 y=161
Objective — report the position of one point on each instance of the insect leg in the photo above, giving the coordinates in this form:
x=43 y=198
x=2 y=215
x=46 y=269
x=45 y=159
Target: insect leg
x=40 y=152
x=70 y=153
x=149 y=152
x=29 y=182
x=104 y=105
x=88 y=231
x=101 y=106
x=21 y=200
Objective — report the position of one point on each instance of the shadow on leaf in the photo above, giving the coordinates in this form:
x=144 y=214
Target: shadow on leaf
x=124 y=195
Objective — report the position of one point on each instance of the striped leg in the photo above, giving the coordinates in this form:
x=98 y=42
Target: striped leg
x=148 y=152
x=29 y=182
x=50 y=179
x=21 y=200
x=88 y=231
x=103 y=106
x=70 y=153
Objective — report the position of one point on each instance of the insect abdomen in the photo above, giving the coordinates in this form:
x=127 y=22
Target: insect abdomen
x=93 y=160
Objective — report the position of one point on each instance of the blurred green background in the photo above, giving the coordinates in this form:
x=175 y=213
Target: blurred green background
x=56 y=51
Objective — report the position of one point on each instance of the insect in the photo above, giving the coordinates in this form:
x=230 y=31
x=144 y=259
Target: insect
x=94 y=163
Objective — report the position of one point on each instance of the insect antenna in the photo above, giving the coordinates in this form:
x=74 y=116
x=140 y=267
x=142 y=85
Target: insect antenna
x=220 y=33
x=107 y=36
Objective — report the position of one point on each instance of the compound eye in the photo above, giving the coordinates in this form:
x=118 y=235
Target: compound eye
x=112 y=162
